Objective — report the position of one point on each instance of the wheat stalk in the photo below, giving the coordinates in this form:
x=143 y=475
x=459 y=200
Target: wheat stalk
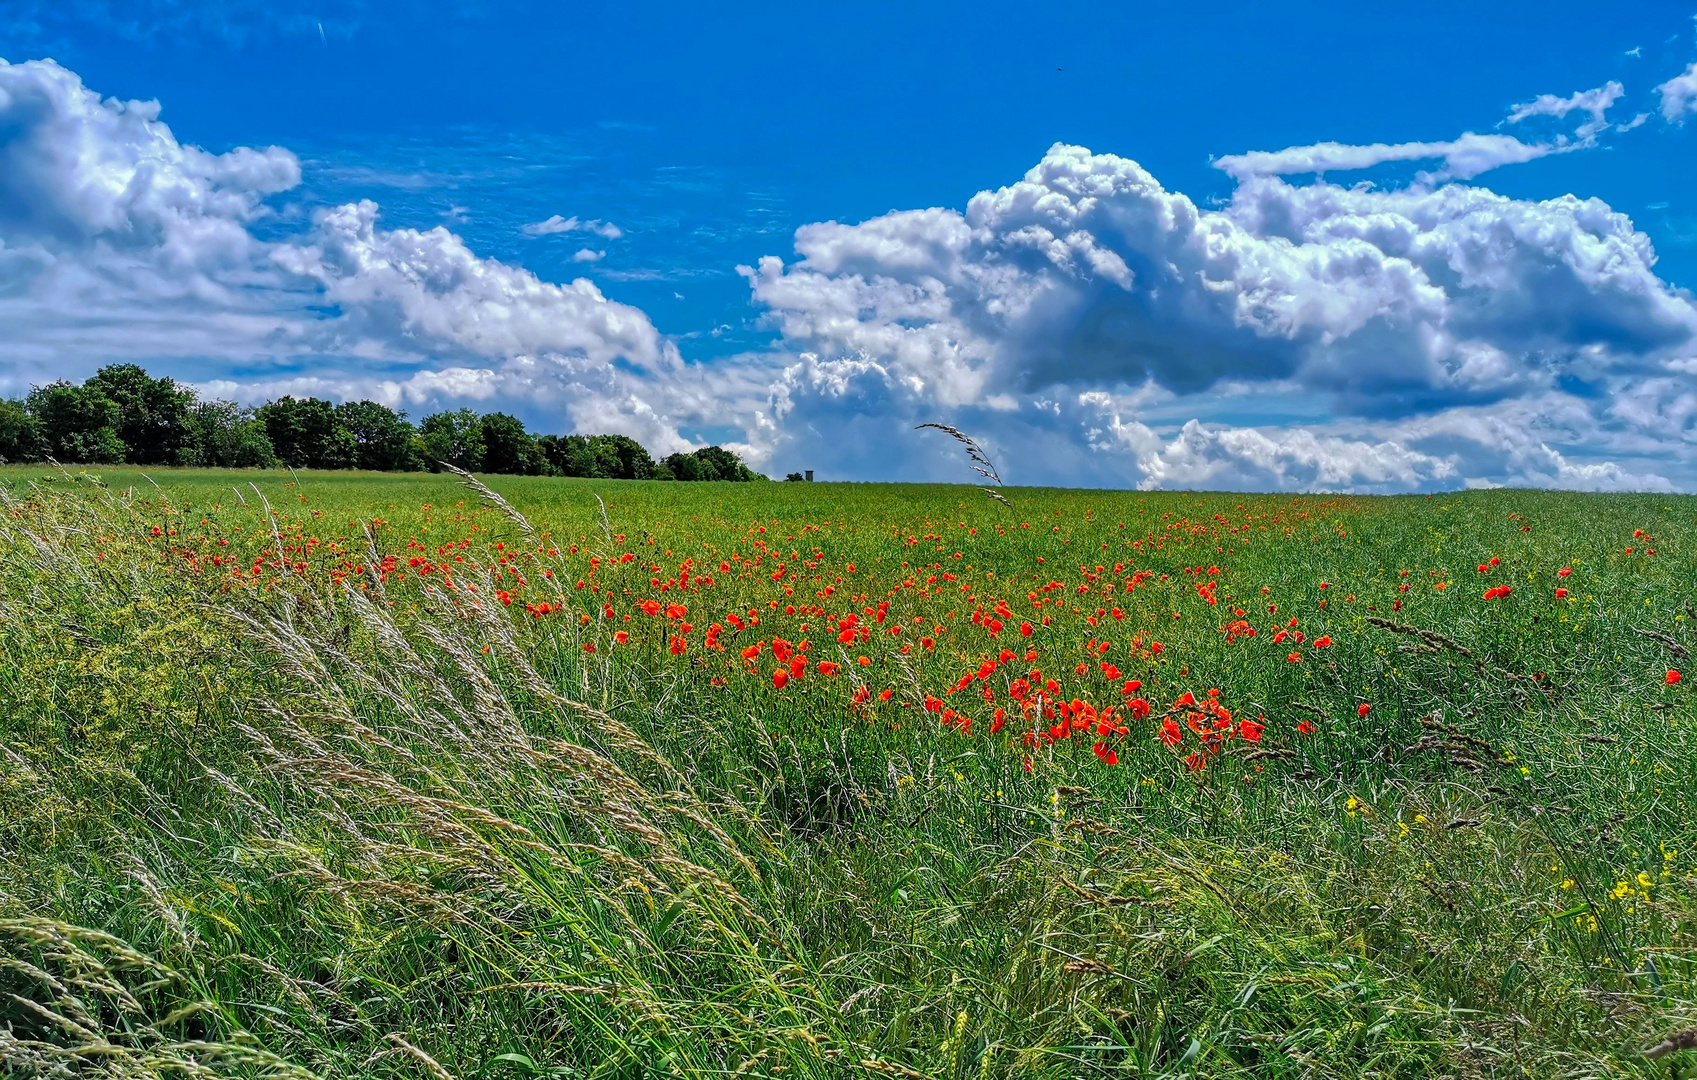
x=981 y=463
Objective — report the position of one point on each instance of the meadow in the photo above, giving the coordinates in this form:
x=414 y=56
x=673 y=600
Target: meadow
x=340 y=774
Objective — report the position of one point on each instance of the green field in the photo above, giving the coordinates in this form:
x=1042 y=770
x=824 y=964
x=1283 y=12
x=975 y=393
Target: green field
x=353 y=775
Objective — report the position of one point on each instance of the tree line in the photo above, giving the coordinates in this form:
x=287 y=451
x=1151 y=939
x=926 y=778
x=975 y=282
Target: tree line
x=124 y=415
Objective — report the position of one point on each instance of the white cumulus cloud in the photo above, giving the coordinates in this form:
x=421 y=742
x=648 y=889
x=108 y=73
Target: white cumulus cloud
x=118 y=242
x=1391 y=306
x=1087 y=324
x=1679 y=95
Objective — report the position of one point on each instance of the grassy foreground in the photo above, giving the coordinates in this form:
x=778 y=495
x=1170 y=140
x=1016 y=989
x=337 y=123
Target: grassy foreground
x=371 y=775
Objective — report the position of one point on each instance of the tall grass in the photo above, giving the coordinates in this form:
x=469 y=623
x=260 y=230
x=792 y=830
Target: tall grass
x=326 y=830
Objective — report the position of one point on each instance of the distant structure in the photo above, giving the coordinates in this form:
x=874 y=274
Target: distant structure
x=810 y=476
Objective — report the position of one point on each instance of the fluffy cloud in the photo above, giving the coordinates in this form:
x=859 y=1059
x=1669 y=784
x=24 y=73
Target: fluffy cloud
x=405 y=285
x=557 y=224
x=1679 y=95
x=1088 y=271
x=1395 y=306
x=119 y=242
x=113 y=235
x=1459 y=448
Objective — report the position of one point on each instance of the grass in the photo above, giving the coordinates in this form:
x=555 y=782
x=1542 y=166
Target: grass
x=279 y=797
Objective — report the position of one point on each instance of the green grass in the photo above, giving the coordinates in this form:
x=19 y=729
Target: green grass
x=319 y=819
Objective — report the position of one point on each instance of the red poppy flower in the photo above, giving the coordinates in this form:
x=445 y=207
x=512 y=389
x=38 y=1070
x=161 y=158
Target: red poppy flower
x=780 y=678
x=1363 y=709
x=1672 y=677
x=1171 y=733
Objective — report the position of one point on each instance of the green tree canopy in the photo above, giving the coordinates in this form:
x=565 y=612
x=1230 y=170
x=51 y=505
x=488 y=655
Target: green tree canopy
x=509 y=448
x=227 y=436
x=123 y=414
x=454 y=437
x=78 y=424
x=153 y=414
x=20 y=432
x=305 y=433
x=708 y=463
x=383 y=439
x=569 y=455
x=621 y=457
x=722 y=464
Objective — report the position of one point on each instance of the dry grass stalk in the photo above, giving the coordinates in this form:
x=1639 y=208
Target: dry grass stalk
x=430 y=1064
x=981 y=463
x=88 y=1019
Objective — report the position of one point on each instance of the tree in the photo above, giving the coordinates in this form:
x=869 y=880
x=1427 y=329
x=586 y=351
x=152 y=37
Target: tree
x=227 y=436
x=722 y=464
x=685 y=467
x=569 y=455
x=153 y=414
x=453 y=437
x=620 y=457
x=509 y=448
x=383 y=439
x=78 y=424
x=305 y=433
x=20 y=432
x=708 y=463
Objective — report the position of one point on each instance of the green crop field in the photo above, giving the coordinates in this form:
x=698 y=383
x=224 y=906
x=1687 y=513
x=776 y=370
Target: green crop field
x=359 y=775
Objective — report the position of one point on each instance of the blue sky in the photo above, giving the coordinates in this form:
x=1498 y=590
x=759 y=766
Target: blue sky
x=684 y=143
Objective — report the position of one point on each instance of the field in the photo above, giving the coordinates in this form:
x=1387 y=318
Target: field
x=348 y=775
